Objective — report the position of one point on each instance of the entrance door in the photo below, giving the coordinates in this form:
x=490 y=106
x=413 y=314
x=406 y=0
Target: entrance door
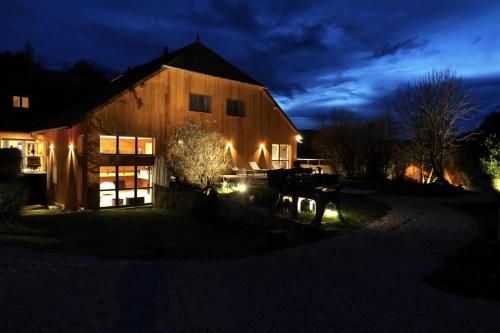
x=125 y=185
x=280 y=156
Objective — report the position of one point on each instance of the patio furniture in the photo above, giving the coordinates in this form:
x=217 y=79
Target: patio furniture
x=277 y=165
x=256 y=169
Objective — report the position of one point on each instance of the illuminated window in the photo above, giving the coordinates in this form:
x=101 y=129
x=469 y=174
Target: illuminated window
x=280 y=155
x=125 y=185
x=235 y=108
x=144 y=184
x=20 y=102
x=126 y=145
x=107 y=144
x=145 y=146
x=25 y=102
x=16 y=101
x=200 y=103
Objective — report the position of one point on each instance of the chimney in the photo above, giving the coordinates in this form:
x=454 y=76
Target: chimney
x=197 y=38
x=165 y=51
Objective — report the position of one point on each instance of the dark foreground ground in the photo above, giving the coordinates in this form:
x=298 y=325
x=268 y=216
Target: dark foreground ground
x=369 y=280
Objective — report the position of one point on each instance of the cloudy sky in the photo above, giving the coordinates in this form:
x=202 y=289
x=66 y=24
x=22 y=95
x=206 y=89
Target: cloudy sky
x=313 y=55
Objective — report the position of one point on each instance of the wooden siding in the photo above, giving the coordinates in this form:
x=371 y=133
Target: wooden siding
x=153 y=108
x=156 y=106
x=66 y=185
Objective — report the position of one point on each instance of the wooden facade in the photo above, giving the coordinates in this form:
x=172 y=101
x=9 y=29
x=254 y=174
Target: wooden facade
x=154 y=107
x=148 y=103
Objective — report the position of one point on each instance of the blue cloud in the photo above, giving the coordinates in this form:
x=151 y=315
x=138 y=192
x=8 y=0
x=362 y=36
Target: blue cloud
x=313 y=55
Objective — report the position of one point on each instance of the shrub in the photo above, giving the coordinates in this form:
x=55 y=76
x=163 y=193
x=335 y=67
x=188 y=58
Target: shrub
x=197 y=155
x=10 y=164
x=13 y=196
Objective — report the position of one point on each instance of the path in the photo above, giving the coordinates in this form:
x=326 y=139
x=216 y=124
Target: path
x=366 y=281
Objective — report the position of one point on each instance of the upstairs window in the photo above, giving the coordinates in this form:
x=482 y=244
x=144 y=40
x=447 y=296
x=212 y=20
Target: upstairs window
x=200 y=103
x=235 y=108
x=126 y=145
x=20 y=102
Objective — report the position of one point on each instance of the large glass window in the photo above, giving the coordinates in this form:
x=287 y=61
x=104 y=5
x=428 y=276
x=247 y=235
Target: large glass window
x=144 y=185
x=125 y=185
x=280 y=156
x=107 y=186
x=126 y=145
x=199 y=103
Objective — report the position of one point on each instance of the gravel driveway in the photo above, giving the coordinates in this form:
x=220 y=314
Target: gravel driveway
x=366 y=281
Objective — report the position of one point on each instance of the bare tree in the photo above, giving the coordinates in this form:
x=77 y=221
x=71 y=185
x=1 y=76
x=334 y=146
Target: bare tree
x=356 y=146
x=339 y=141
x=432 y=111
x=196 y=154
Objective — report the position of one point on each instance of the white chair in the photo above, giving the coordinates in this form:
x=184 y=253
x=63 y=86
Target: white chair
x=256 y=169
x=277 y=165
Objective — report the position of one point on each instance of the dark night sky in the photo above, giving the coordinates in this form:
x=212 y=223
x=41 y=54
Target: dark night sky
x=312 y=55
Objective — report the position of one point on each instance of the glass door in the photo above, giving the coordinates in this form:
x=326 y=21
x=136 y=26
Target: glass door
x=280 y=156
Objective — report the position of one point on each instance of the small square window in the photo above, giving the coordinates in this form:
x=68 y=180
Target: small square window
x=25 y=102
x=16 y=101
x=200 y=103
x=235 y=108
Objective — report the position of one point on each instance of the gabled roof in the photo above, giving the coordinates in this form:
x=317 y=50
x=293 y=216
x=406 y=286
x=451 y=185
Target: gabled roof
x=194 y=57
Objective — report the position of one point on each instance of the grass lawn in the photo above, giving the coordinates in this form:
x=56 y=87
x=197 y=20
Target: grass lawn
x=357 y=210
x=140 y=233
x=404 y=188
x=475 y=269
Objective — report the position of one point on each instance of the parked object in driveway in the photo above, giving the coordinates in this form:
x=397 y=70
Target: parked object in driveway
x=292 y=184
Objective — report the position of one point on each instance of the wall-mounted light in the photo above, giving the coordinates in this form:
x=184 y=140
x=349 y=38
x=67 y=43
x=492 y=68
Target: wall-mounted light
x=299 y=138
x=51 y=147
x=229 y=145
x=71 y=147
x=262 y=146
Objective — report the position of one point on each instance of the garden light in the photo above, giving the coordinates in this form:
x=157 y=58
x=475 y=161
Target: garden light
x=241 y=188
x=496 y=184
x=331 y=213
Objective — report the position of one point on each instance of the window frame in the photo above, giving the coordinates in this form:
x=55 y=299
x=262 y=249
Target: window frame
x=136 y=144
x=21 y=100
x=281 y=159
x=196 y=108
x=117 y=189
x=241 y=114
